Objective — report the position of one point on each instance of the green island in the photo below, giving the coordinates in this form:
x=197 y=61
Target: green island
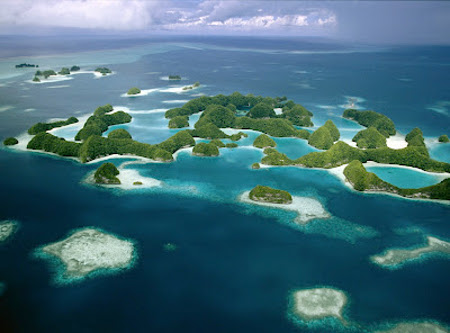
x=264 y=141
x=231 y=145
x=205 y=149
x=94 y=145
x=87 y=252
x=256 y=166
x=369 y=118
x=324 y=136
x=107 y=174
x=444 y=138
x=370 y=138
x=75 y=68
x=318 y=303
x=271 y=195
x=25 y=65
x=64 y=71
x=103 y=70
x=137 y=183
x=395 y=258
x=175 y=77
x=223 y=112
x=218 y=143
x=361 y=180
x=10 y=141
x=134 y=91
x=44 y=127
x=45 y=74
x=195 y=85
x=36 y=79
x=179 y=122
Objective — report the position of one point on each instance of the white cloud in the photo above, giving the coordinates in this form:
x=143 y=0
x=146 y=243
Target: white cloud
x=90 y=14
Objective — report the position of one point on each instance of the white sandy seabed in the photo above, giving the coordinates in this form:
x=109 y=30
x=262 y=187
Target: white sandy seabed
x=306 y=208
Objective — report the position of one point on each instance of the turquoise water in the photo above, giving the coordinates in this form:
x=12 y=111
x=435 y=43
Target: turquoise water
x=403 y=177
x=235 y=264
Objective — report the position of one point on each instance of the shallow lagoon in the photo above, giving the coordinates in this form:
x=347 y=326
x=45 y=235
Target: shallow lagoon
x=405 y=177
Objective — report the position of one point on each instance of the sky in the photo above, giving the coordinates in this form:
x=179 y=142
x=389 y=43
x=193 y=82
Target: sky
x=405 y=22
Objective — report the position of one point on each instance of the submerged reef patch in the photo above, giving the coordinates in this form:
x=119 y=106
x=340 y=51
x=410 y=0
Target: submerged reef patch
x=7 y=229
x=395 y=258
x=88 y=252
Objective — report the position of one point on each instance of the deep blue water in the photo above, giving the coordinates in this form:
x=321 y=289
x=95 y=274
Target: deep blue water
x=235 y=264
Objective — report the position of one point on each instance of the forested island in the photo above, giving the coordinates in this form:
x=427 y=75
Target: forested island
x=175 y=77
x=271 y=195
x=107 y=174
x=362 y=180
x=25 y=65
x=134 y=91
x=103 y=70
x=222 y=111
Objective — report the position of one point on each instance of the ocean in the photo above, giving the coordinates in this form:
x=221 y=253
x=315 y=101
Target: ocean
x=235 y=265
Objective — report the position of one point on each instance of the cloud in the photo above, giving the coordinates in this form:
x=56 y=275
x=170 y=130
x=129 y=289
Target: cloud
x=89 y=14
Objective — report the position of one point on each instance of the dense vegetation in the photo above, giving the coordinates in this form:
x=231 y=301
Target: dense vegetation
x=195 y=85
x=443 y=138
x=268 y=194
x=119 y=133
x=383 y=124
x=134 y=91
x=205 y=149
x=179 y=122
x=75 y=68
x=263 y=141
x=24 y=65
x=341 y=153
x=100 y=122
x=36 y=79
x=177 y=141
x=261 y=110
x=369 y=138
x=64 y=71
x=256 y=166
x=10 y=141
x=231 y=145
x=238 y=136
x=218 y=143
x=321 y=138
x=53 y=144
x=297 y=115
x=43 y=127
x=107 y=174
x=362 y=180
x=334 y=132
x=174 y=77
x=209 y=131
x=46 y=73
x=415 y=138
x=103 y=70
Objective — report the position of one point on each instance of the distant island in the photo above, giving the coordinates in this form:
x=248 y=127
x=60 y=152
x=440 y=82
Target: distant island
x=10 y=141
x=195 y=85
x=88 y=251
x=444 y=138
x=25 y=65
x=103 y=70
x=134 y=91
x=268 y=194
x=175 y=77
